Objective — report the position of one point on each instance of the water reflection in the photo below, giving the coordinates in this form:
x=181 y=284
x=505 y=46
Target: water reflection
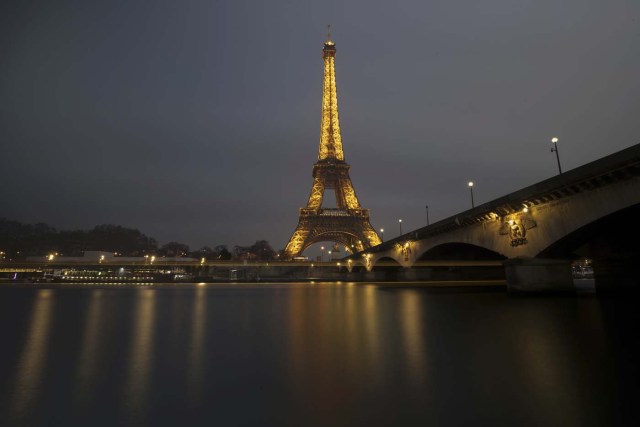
x=411 y=326
x=345 y=305
x=28 y=378
x=551 y=362
x=140 y=361
x=371 y=328
x=337 y=336
x=90 y=349
x=325 y=354
x=195 y=366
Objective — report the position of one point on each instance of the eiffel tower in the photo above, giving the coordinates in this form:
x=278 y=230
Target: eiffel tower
x=347 y=224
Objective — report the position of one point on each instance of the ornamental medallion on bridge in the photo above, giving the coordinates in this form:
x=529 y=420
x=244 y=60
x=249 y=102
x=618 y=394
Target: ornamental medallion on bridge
x=516 y=229
x=347 y=224
x=404 y=249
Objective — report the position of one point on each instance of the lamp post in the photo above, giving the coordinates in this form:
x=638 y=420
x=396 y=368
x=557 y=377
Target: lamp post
x=400 y=222
x=554 y=141
x=321 y=253
x=427 y=207
x=471 y=190
x=382 y=233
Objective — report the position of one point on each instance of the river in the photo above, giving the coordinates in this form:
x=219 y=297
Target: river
x=326 y=354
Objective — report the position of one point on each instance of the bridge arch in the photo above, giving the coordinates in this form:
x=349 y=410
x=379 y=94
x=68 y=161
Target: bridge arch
x=385 y=257
x=611 y=235
x=459 y=261
x=459 y=251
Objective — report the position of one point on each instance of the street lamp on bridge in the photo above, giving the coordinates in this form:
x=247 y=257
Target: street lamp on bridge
x=382 y=233
x=554 y=141
x=400 y=222
x=427 y=207
x=471 y=190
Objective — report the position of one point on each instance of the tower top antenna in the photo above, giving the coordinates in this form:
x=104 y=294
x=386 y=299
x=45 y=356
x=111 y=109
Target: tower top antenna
x=329 y=32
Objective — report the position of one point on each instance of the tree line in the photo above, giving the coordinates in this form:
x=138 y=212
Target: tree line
x=18 y=241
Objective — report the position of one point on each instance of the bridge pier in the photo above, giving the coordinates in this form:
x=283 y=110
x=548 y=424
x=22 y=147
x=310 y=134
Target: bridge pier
x=616 y=274
x=538 y=275
x=412 y=274
x=407 y=274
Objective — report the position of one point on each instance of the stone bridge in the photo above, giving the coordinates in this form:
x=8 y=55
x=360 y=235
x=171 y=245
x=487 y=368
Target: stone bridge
x=591 y=211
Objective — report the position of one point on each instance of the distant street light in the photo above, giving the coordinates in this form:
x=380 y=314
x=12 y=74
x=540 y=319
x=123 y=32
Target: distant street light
x=554 y=140
x=321 y=253
x=471 y=189
x=427 y=207
x=382 y=233
x=400 y=222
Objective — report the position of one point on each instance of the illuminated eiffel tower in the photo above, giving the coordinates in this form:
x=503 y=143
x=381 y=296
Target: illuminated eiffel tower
x=347 y=224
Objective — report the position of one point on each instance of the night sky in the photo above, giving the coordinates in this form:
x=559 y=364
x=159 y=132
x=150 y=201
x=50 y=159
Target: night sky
x=199 y=121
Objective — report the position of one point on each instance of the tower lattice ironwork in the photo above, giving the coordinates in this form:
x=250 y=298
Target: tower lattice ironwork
x=347 y=224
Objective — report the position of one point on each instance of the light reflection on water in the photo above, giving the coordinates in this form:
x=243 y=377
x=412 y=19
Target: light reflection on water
x=413 y=336
x=195 y=364
x=28 y=378
x=301 y=354
x=90 y=349
x=136 y=391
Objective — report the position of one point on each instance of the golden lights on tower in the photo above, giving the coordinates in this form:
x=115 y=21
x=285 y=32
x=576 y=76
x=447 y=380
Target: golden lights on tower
x=348 y=223
x=330 y=139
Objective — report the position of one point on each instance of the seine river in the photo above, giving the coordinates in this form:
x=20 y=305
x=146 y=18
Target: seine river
x=314 y=355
